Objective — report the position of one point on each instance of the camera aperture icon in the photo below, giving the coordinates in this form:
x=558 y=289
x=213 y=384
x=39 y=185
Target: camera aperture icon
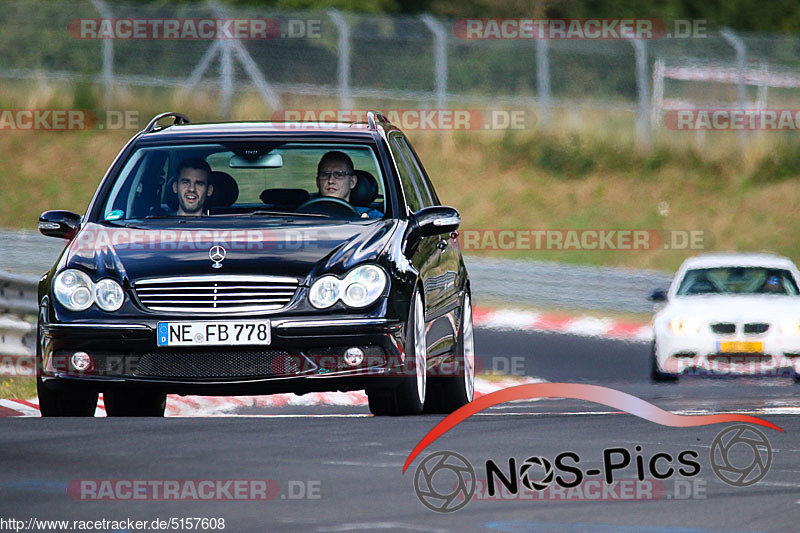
x=526 y=475
x=740 y=455
x=445 y=482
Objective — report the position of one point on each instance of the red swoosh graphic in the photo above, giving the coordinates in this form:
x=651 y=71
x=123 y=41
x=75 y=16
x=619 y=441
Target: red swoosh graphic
x=592 y=393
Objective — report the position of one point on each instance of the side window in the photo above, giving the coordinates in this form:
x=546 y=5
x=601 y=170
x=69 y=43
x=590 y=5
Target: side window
x=410 y=187
x=425 y=179
x=428 y=199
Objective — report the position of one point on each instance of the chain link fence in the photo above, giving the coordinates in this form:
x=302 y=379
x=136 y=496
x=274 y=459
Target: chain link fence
x=372 y=60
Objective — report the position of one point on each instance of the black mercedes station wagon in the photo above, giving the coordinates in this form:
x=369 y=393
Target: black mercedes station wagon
x=257 y=258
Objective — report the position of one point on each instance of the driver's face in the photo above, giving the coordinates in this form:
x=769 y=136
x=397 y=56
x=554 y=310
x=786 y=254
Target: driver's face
x=193 y=188
x=335 y=180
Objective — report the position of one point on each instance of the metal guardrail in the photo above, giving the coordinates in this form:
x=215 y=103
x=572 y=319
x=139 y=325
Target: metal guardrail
x=535 y=283
x=18 y=294
x=17 y=300
x=545 y=283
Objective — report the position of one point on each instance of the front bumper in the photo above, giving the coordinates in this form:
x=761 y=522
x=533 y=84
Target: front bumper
x=305 y=354
x=702 y=353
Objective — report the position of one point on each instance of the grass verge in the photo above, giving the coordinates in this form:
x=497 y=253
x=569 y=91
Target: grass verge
x=17 y=388
x=584 y=172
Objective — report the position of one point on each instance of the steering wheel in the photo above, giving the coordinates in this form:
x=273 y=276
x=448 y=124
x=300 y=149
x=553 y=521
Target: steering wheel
x=327 y=204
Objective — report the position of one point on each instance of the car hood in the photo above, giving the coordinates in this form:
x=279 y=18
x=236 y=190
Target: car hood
x=727 y=308
x=299 y=251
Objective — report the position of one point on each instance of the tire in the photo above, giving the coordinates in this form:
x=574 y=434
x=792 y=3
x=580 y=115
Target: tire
x=656 y=375
x=65 y=403
x=408 y=398
x=56 y=402
x=135 y=403
x=446 y=394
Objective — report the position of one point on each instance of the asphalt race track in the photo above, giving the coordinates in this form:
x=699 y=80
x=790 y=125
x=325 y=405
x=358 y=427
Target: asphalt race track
x=339 y=469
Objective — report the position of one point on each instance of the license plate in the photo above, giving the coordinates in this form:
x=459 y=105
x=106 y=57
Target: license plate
x=217 y=333
x=741 y=347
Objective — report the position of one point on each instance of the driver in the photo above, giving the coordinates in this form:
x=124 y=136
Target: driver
x=192 y=186
x=335 y=179
x=772 y=285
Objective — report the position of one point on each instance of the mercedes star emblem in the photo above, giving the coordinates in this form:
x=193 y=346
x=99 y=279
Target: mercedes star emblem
x=217 y=254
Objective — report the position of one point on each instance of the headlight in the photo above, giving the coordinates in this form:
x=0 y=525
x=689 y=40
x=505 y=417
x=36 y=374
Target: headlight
x=363 y=285
x=790 y=326
x=684 y=326
x=360 y=287
x=108 y=295
x=74 y=290
x=324 y=292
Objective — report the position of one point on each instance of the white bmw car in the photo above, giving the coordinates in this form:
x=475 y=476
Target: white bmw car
x=729 y=313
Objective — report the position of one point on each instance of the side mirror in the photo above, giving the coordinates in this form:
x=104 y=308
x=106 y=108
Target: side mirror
x=61 y=224
x=436 y=220
x=658 y=295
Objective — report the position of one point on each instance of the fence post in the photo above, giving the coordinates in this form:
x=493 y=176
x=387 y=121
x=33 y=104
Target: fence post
x=227 y=48
x=741 y=57
x=643 y=91
x=226 y=80
x=440 y=59
x=343 y=68
x=657 y=102
x=108 y=56
x=543 y=81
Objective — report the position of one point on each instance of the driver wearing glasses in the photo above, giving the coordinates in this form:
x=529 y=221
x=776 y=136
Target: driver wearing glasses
x=335 y=178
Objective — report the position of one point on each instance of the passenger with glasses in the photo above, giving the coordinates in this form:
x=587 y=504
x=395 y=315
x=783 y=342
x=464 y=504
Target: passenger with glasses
x=336 y=178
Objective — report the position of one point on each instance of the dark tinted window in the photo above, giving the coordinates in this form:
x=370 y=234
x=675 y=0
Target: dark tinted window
x=404 y=167
x=429 y=195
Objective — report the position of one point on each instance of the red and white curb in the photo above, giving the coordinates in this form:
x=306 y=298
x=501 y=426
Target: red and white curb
x=193 y=406
x=584 y=326
x=483 y=317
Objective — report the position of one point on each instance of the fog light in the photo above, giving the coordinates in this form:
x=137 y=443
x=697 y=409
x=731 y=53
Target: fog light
x=354 y=356
x=81 y=361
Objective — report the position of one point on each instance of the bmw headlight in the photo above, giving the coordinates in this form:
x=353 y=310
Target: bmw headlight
x=74 y=290
x=359 y=288
x=684 y=326
x=790 y=326
x=108 y=295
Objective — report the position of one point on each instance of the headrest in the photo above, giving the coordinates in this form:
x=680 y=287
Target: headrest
x=366 y=189
x=293 y=197
x=171 y=198
x=226 y=191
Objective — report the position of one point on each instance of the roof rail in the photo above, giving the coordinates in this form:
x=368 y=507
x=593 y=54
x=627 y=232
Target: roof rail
x=376 y=116
x=180 y=118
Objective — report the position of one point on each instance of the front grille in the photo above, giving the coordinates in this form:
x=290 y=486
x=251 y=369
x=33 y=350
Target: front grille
x=205 y=363
x=723 y=328
x=756 y=328
x=216 y=294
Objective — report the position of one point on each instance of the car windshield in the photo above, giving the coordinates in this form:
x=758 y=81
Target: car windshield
x=738 y=280
x=241 y=179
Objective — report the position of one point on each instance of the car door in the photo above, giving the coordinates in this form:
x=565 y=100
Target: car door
x=448 y=269
x=436 y=278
